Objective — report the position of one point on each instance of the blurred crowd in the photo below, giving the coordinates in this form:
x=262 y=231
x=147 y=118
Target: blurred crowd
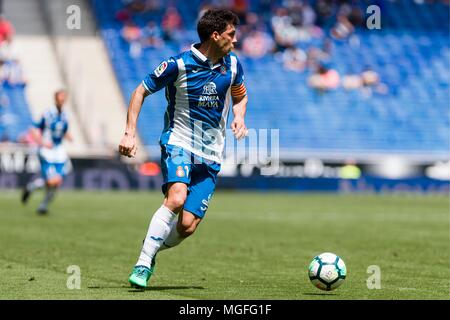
x=299 y=34
x=11 y=72
x=11 y=75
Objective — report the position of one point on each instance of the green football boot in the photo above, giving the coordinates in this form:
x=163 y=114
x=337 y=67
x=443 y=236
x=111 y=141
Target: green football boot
x=140 y=275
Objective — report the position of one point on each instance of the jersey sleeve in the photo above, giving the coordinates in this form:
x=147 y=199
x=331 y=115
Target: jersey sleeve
x=238 y=88
x=66 y=127
x=165 y=73
x=40 y=124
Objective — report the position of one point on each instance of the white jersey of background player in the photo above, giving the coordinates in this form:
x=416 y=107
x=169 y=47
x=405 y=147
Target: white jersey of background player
x=49 y=133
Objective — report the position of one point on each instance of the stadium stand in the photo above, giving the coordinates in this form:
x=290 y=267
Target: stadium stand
x=405 y=112
x=14 y=112
x=63 y=57
x=41 y=69
x=15 y=116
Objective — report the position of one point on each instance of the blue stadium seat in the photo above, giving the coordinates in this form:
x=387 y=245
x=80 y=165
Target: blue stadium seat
x=411 y=54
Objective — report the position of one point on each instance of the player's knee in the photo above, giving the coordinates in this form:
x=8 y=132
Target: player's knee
x=176 y=201
x=54 y=182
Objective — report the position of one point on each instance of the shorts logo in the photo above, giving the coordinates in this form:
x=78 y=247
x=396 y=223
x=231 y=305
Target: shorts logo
x=205 y=202
x=161 y=68
x=180 y=172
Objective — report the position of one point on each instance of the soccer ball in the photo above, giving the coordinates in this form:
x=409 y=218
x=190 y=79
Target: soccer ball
x=327 y=271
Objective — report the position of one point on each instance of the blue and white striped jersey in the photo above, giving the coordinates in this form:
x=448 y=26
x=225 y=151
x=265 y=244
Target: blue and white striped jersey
x=199 y=99
x=53 y=126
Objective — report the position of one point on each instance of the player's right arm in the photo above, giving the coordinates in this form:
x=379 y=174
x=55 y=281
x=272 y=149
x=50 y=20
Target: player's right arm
x=127 y=146
x=36 y=132
x=165 y=73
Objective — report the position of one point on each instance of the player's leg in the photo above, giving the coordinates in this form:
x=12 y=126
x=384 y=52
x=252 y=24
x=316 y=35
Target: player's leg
x=158 y=231
x=201 y=189
x=175 y=166
x=161 y=222
x=36 y=183
x=183 y=227
x=54 y=175
x=51 y=185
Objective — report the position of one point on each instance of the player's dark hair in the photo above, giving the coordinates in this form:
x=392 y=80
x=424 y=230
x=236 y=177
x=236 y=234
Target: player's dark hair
x=59 y=91
x=215 y=20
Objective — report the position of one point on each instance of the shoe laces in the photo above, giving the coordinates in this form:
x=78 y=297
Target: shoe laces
x=142 y=272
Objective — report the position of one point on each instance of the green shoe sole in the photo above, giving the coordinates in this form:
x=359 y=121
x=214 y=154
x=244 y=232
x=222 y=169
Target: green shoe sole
x=137 y=282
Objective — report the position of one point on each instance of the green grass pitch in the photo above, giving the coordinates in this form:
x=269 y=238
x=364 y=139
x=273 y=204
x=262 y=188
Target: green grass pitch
x=250 y=246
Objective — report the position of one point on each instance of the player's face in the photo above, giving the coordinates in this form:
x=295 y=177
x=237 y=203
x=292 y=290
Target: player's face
x=226 y=40
x=60 y=99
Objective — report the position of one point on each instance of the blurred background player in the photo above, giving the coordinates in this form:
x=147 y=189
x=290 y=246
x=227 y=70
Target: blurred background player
x=49 y=134
x=198 y=82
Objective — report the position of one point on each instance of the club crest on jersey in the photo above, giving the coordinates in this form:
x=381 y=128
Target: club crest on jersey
x=160 y=69
x=223 y=69
x=180 y=172
x=209 y=88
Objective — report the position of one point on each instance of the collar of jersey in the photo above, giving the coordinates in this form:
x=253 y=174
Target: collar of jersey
x=54 y=111
x=202 y=57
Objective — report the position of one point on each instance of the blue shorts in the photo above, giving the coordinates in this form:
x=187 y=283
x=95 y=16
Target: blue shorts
x=50 y=170
x=199 y=174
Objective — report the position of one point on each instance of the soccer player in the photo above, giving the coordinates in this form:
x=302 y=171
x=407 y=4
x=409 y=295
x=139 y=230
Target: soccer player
x=198 y=85
x=49 y=133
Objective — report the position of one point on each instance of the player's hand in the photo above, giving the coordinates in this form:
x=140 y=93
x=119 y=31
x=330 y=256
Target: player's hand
x=238 y=127
x=127 y=146
x=47 y=145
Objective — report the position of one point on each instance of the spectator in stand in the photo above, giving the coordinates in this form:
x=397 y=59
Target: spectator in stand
x=342 y=29
x=123 y=15
x=369 y=77
x=324 y=10
x=11 y=73
x=356 y=17
x=257 y=44
x=152 y=6
x=351 y=82
x=253 y=23
x=367 y=81
x=135 y=6
x=324 y=79
x=240 y=8
x=286 y=34
x=6 y=30
x=8 y=50
x=371 y=83
x=4 y=73
x=308 y=15
x=294 y=59
x=317 y=56
x=133 y=35
x=172 y=24
x=152 y=35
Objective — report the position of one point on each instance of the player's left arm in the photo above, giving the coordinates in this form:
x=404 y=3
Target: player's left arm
x=240 y=99
x=239 y=109
x=68 y=136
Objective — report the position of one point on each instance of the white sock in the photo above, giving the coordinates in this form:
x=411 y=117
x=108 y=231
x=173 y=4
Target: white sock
x=173 y=239
x=35 y=184
x=48 y=198
x=158 y=231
